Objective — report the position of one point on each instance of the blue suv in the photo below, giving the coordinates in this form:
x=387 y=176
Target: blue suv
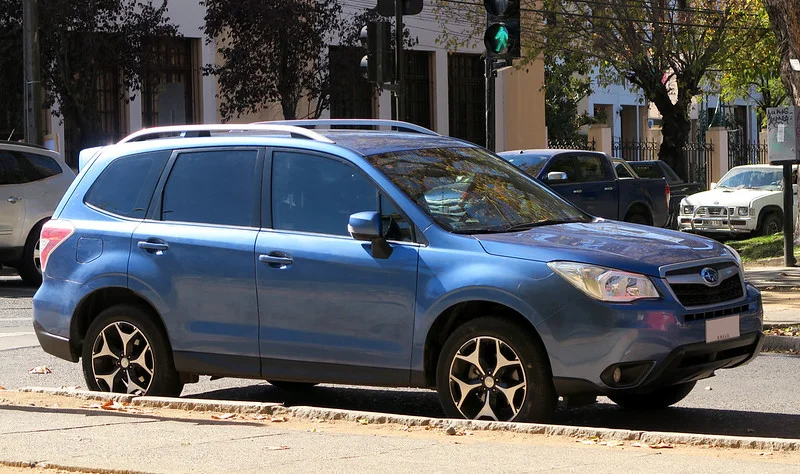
x=375 y=253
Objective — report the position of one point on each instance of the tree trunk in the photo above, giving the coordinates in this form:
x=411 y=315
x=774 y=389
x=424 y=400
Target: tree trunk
x=675 y=129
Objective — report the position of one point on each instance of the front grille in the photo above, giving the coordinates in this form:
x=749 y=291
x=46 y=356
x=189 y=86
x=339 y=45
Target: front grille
x=698 y=294
x=717 y=313
x=715 y=211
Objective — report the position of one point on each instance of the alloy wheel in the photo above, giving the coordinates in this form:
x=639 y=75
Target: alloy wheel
x=487 y=380
x=122 y=359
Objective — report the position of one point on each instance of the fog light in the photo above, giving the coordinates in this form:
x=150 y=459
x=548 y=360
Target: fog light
x=617 y=375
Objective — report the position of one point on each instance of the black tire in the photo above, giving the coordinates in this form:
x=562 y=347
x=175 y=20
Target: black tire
x=293 y=386
x=637 y=219
x=657 y=400
x=29 y=268
x=772 y=223
x=152 y=371
x=529 y=367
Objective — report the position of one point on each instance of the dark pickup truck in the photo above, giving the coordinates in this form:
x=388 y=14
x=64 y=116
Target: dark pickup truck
x=679 y=188
x=588 y=180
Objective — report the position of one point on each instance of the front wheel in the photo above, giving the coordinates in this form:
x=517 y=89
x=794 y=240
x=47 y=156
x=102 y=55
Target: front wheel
x=772 y=224
x=661 y=398
x=493 y=369
x=126 y=352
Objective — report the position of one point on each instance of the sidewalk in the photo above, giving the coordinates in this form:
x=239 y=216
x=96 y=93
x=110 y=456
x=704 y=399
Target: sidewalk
x=780 y=292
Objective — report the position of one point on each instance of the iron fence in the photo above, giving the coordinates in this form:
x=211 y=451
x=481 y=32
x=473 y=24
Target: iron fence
x=633 y=150
x=697 y=156
x=747 y=154
x=578 y=144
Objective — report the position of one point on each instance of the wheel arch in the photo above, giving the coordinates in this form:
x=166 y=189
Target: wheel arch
x=460 y=313
x=767 y=210
x=639 y=208
x=99 y=300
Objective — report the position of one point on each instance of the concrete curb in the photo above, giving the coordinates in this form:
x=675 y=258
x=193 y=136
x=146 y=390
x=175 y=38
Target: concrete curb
x=302 y=412
x=781 y=344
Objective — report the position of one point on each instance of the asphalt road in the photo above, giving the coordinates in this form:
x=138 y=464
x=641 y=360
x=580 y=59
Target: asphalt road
x=759 y=399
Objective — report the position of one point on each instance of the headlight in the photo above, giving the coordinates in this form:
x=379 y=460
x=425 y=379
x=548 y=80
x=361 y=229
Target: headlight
x=605 y=284
x=688 y=209
x=742 y=211
x=735 y=254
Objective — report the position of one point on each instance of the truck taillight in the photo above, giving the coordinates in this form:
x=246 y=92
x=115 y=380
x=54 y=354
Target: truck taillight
x=53 y=233
x=667 y=189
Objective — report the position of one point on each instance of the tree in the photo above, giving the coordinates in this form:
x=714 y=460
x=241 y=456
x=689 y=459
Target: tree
x=271 y=52
x=784 y=15
x=664 y=47
x=754 y=71
x=566 y=82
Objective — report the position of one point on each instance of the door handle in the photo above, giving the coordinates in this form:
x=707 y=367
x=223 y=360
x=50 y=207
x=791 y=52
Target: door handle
x=610 y=188
x=13 y=199
x=577 y=191
x=277 y=260
x=152 y=246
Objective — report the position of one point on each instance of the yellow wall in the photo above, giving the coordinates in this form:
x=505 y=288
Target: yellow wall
x=523 y=103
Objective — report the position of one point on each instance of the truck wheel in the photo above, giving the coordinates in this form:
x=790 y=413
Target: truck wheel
x=661 y=398
x=493 y=369
x=771 y=224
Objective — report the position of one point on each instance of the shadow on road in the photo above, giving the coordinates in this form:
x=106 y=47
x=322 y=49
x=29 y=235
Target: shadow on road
x=13 y=287
x=600 y=415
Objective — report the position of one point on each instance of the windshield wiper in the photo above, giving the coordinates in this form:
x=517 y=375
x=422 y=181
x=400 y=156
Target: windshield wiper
x=531 y=225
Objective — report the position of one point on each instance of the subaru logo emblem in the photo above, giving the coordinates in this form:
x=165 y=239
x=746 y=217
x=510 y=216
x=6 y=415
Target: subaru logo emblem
x=710 y=276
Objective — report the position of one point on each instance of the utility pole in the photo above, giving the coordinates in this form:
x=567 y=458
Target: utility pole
x=491 y=74
x=32 y=78
x=400 y=70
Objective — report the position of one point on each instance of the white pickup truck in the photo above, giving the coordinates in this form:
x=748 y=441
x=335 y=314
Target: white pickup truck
x=748 y=199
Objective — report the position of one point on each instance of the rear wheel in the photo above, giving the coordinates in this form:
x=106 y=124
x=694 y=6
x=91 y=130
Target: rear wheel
x=661 y=398
x=126 y=352
x=493 y=369
x=30 y=267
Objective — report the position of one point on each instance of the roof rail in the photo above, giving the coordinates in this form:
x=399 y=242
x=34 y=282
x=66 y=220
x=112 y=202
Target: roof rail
x=365 y=123
x=32 y=145
x=187 y=131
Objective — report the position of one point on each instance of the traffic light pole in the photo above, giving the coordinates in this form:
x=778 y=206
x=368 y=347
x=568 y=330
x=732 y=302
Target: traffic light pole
x=400 y=70
x=490 y=118
x=31 y=73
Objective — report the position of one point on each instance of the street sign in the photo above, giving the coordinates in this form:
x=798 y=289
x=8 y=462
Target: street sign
x=410 y=7
x=783 y=131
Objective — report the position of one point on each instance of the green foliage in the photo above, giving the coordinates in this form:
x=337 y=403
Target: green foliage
x=565 y=83
x=11 y=90
x=271 y=51
x=759 y=248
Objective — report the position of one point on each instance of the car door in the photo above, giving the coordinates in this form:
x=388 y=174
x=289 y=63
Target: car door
x=329 y=310
x=571 y=188
x=599 y=189
x=12 y=204
x=193 y=259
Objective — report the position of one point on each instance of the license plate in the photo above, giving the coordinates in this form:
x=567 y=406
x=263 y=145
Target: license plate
x=715 y=223
x=722 y=328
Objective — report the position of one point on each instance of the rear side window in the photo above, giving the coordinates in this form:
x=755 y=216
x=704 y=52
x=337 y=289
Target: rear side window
x=10 y=171
x=647 y=171
x=213 y=187
x=126 y=185
x=592 y=168
x=39 y=166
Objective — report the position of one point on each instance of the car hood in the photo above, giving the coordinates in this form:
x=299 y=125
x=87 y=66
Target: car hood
x=630 y=247
x=728 y=197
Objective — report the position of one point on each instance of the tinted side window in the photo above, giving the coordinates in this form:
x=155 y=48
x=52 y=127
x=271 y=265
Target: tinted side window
x=565 y=164
x=591 y=168
x=126 y=185
x=647 y=171
x=316 y=194
x=39 y=166
x=622 y=171
x=213 y=187
x=10 y=171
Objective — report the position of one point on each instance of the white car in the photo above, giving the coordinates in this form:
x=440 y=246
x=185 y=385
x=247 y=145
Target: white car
x=32 y=181
x=748 y=199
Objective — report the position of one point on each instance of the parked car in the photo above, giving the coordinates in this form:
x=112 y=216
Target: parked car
x=587 y=179
x=678 y=188
x=32 y=181
x=376 y=257
x=747 y=200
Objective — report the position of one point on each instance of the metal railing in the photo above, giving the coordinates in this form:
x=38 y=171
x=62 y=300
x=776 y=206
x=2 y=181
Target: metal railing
x=697 y=155
x=747 y=153
x=579 y=144
x=634 y=150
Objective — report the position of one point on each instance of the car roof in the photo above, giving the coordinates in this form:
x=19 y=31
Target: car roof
x=22 y=146
x=377 y=142
x=544 y=151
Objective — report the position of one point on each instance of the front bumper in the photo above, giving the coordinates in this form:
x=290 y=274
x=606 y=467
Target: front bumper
x=723 y=224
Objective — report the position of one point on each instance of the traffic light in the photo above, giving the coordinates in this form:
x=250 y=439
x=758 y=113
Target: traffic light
x=378 y=65
x=502 y=37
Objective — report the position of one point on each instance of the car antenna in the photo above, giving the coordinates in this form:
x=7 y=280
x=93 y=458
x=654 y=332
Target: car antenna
x=11 y=134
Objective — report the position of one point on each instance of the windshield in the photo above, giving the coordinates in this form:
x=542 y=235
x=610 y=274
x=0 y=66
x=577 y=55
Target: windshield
x=769 y=179
x=530 y=164
x=468 y=190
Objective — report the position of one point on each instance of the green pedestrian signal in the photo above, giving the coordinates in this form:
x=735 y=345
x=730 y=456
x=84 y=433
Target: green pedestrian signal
x=502 y=37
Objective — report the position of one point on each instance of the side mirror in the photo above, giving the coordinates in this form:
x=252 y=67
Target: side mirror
x=712 y=186
x=366 y=226
x=556 y=176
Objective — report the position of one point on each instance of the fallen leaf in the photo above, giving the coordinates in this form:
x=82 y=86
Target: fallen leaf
x=661 y=446
x=765 y=454
x=226 y=416
x=259 y=417
x=639 y=445
x=709 y=388
x=42 y=369
x=588 y=441
x=279 y=419
x=312 y=430
x=277 y=448
x=363 y=421
x=2 y=388
x=613 y=444
x=451 y=430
